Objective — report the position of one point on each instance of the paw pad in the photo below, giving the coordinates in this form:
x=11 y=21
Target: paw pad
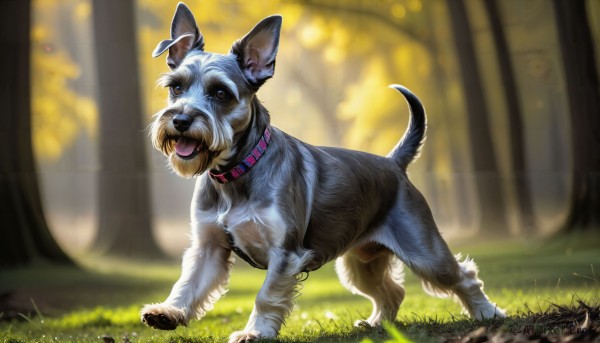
x=159 y=321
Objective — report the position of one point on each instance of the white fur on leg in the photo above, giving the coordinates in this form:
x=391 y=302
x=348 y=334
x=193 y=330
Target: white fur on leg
x=205 y=272
x=253 y=330
x=469 y=290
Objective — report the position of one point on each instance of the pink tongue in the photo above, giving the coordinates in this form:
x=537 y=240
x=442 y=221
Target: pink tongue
x=185 y=146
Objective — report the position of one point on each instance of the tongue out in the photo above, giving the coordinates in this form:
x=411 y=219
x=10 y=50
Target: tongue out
x=185 y=147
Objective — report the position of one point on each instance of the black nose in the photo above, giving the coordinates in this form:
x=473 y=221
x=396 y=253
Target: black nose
x=182 y=122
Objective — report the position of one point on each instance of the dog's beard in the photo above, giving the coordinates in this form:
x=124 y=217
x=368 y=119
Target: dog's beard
x=189 y=153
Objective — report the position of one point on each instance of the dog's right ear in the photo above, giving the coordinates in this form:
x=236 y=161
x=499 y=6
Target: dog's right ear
x=185 y=36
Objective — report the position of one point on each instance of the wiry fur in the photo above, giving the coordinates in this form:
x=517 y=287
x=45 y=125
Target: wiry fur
x=300 y=206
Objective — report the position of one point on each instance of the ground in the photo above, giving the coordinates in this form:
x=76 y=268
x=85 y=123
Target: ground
x=548 y=289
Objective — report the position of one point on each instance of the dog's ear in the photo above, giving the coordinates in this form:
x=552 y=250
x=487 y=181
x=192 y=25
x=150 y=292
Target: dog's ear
x=257 y=50
x=185 y=36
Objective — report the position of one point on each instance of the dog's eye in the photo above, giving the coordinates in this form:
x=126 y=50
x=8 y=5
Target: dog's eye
x=176 y=90
x=221 y=94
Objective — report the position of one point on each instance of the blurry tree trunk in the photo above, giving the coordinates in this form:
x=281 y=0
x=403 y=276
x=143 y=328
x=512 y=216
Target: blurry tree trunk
x=25 y=233
x=515 y=122
x=582 y=86
x=459 y=202
x=487 y=180
x=124 y=226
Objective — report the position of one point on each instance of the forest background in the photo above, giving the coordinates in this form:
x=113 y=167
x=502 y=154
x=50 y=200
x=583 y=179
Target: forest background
x=510 y=87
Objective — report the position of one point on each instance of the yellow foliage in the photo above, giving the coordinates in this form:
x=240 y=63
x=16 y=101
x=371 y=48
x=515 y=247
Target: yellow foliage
x=334 y=55
x=58 y=111
x=415 y=5
x=82 y=11
x=412 y=60
x=313 y=34
x=398 y=10
x=291 y=13
x=367 y=105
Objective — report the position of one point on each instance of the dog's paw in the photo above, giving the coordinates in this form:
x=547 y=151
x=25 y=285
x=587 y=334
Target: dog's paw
x=371 y=322
x=364 y=324
x=490 y=311
x=244 y=336
x=163 y=317
x=494 y=313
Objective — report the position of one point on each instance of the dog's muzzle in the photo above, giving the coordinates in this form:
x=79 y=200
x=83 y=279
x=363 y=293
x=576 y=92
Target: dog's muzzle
x=182 y=122
x=185 y=147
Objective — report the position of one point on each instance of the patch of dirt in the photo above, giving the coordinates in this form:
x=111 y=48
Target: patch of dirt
x=558 y=324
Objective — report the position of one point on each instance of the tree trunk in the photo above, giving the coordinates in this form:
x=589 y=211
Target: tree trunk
x=486 y=172
x=124 y=214
x=515 y=122
x=582 y=87
x=459 y=201
x=25 y=233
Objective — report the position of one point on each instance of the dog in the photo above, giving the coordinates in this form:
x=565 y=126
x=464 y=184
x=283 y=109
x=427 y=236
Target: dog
x=284 y=205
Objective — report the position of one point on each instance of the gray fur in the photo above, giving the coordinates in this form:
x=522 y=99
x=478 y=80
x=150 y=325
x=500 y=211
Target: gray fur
x=300 y=206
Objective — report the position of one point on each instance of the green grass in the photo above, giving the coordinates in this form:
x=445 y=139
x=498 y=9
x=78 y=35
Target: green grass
x=104 y=299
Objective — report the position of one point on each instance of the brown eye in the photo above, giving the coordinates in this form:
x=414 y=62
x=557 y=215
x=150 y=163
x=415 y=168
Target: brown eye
x=176 y=90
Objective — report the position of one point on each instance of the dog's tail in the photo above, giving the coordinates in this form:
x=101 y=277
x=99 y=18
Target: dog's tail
x=409 y=147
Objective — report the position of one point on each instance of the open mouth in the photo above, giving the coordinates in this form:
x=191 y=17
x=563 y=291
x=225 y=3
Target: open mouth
x=188 y=148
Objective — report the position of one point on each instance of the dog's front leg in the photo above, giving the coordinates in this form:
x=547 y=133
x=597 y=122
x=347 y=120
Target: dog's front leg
x=205 y=273
x=274 y=301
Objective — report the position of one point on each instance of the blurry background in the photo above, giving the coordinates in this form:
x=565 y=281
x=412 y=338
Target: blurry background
x=506 y=96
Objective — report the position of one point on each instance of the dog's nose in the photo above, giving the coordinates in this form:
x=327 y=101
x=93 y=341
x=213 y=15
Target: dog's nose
x=182 y=122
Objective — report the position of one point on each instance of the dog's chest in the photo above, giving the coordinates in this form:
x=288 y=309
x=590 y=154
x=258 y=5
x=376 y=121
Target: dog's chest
x=253 y=232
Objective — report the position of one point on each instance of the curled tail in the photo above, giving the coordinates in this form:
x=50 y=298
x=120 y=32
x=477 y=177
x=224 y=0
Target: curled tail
x=409 y=147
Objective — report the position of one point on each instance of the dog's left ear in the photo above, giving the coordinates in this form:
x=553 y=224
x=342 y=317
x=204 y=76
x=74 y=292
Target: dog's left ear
x=257 y=50
x=185 y=36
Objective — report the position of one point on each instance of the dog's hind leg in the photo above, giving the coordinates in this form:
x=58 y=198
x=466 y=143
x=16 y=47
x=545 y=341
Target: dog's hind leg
x=371 y=270
x=205 y=273
x=411 y=233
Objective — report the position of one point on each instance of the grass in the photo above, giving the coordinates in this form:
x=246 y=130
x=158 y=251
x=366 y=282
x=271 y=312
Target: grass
x=102 y=301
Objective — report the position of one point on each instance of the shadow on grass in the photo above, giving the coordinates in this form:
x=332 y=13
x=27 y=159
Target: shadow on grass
x=54 y=290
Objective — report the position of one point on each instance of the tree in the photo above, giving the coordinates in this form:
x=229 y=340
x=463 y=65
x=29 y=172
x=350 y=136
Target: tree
x=25 y=233
x=515 y=122
x=124 y=207
x=487 y=180
x=582 y=87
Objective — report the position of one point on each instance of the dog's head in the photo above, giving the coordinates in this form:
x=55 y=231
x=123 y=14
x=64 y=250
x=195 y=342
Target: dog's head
x=210 y=95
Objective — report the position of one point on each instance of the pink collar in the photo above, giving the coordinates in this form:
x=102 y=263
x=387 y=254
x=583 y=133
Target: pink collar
x=247 y=163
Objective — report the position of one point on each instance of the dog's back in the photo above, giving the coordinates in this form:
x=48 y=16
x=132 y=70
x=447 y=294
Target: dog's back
x=345 y=214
